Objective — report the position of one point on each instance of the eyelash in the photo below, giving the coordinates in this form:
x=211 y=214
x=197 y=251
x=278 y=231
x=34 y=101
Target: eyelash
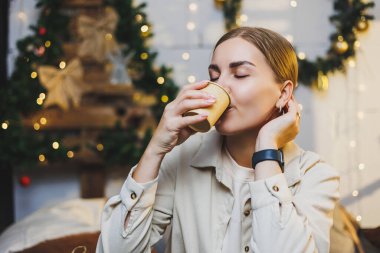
x=236 y=76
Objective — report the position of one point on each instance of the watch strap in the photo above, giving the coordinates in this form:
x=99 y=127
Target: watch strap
x=268 y=154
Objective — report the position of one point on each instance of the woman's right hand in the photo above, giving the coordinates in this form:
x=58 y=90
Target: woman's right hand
x=173 y=128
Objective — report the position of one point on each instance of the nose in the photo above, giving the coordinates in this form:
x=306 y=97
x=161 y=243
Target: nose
x=225 y=86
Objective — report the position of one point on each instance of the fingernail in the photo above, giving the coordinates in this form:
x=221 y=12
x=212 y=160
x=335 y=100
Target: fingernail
x=210 y=100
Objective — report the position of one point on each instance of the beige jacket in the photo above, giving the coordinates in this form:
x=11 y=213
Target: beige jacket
x=287 y=213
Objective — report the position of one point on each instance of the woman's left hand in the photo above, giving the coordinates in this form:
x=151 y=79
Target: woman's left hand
x=280 y=130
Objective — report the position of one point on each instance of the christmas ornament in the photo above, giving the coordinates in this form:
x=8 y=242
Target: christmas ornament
x=97 y=35
x=119 y=68
x=63 y=86
x=219 y=3
x=39 y=51
x=362 y=25
x=42 y=31
x=25 y=181
x=341 y=46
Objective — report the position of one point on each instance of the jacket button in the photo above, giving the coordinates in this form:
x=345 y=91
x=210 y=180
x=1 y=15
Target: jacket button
x=133 y=195
x=246 y=248
x=247 y=212
x=275 y=188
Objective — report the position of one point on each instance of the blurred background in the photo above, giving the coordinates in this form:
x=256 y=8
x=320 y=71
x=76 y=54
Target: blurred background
x=84 y=84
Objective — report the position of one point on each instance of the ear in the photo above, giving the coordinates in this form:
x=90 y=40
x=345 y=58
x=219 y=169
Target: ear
x=286 y=94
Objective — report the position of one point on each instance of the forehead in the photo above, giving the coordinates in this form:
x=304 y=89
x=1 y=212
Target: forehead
x=237 y=49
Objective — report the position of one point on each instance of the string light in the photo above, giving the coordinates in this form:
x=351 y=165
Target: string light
x=243 y=18
x=33 y=75
x=353 y=144
x=144 y=56
x=108 y=36
x=358 y=218
x=351 y=63
x=186 y=56
x=193 y=7
x=355 y=193
x=302 y=55
x=47 y=43
x=99 y=147
x=190 y=26
x=191 y=79
x=62 y=65
x=144 y=28
x=21 y=15
x=139 y=17
x=41 y=157
x=43 y=121
x=70 y=154
x=4 y=125
x=361 y=166
x=42 y=95
x=164 y=99
x=55 y=145
x=40 y=101
x=293 y=3
x=36 y=126
x=160 y=80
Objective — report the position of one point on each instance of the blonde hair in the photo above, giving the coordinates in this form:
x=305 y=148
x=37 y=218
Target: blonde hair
x=278 y=51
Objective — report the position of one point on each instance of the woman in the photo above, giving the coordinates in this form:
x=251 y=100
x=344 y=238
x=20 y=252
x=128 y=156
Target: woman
x=205 y=185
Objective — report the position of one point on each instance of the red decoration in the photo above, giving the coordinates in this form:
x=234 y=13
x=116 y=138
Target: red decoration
x=25 y=181
x=42 y=30
x=39 y=51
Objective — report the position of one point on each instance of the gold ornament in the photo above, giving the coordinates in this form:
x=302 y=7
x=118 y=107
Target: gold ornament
x=219 y=3
x=63 y=86
x=341 y=46
x=362 y=25
x=322 y=81
x=98 y=35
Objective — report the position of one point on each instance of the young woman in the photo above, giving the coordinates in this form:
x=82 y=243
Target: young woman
x=206 y=186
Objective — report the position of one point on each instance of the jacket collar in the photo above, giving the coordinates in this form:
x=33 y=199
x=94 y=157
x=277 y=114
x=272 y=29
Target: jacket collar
x=209 y=155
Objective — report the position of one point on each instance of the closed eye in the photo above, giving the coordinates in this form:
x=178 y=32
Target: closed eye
x=240 y=77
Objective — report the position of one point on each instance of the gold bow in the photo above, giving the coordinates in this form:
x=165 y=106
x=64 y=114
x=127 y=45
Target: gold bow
x=63 y=86
x=97 y=35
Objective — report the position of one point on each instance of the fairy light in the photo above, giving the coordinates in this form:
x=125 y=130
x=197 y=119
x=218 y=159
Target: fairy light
x=193 y=7
x=40 y=101
x=62 y=65
x=47 y=43
x=144 y=56
x=70 y=154
x=352 y=143
x=139 y=17
x=144 y=28
x=36 y=126
x=351 y=63
x=55 y=145
x=302 y=55
x=99 y=147
x=43 y=121
x=357 y=44
x=293 y=3
x=190 y=26
x=33 y=75
x=355 y=193
x=108 y=36
x=41 y=157
x=191 y=79
x=4 y=125
x=362 y=87
x=185 y=56
x=358 y=218
x=361 y=166
x=22 y=15
x=243 y=18
x=164 y=99
x=42 y=95
x=160 y=80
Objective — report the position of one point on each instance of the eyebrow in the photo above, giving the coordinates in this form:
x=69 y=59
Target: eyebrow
x=232 y=65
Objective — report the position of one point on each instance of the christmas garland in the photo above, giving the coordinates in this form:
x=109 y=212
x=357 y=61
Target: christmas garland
x=23 y=147
x=349 y=19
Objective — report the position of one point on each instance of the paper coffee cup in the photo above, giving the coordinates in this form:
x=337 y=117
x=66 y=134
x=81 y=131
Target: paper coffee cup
x=214 y=111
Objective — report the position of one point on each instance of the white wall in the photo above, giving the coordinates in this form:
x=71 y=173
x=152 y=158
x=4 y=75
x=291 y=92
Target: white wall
x=329 y=119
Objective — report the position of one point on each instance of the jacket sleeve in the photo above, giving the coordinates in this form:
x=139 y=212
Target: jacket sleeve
x=149 y=206
x=294 y=222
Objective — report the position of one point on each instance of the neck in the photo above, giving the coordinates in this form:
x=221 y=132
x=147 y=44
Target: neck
x=241 y=147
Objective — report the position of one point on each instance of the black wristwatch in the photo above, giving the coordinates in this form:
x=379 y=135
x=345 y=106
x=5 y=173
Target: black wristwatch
x=268 y=154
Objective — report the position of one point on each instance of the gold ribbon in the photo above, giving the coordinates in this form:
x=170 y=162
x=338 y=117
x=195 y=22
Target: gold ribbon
x=97 y=35
x=63 y=86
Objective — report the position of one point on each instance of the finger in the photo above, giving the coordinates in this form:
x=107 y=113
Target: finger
x=293 y=108
x=189 y=120
x=195 y=94
x=190 y=104
x=194 y=86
